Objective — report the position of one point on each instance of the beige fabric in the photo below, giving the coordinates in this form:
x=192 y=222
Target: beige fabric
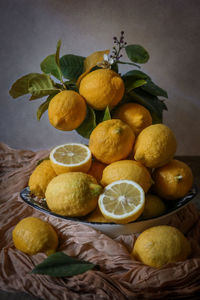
x=119 y=277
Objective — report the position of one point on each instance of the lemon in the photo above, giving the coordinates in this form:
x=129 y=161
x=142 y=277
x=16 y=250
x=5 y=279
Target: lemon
x=122 y=201
x=173 y=180
x=96 y=216
x=32 y=235
x=72 y=194
x=153 y=207
x=71 y=157
x=102 y=88
x=155 y=146
x=111 y=140
x=135 y=115
x=127 y=169
x=40 y=178
x=96 y=170
x=67 y=110
x=161 y=245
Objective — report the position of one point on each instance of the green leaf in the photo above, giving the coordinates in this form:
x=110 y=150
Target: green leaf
x=115 y=68
x=41 y=86
x=62 y=265
x=21 y=86
x=49 y=66
x=152 y=103
x=57 y=57
x=131 y=85
x=43 y=107
x=127 y=63
x=135 y=74
x=71 y=85
x=153 y=89
x=88 y=124
x=106 y=115
x=72 y=66
x=137 y=54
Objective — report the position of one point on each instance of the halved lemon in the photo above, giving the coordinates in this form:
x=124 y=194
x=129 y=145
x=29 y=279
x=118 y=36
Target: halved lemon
x=72 y=157
x=122 y=201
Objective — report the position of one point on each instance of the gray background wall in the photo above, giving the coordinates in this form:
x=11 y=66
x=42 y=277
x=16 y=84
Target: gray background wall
x=168 y=29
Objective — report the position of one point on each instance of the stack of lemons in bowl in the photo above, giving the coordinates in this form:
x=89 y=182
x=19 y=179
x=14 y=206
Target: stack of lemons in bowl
x=127 y=171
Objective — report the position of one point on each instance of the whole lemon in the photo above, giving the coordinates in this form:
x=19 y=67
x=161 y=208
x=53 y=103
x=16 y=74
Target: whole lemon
x=32 y=235
x=67 y=110
x=97 y=216
x=161 y=245
x=96 y=170
x=135 y=115
x=40 y=178
x=73 y=194
x=153 y=207
x=173 y=180
x=111 y=140
x=127 y=170
x=155 y=146
x=102 y=88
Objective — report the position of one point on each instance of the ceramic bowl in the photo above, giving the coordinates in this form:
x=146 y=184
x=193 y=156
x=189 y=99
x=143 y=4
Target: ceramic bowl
x=111 y=229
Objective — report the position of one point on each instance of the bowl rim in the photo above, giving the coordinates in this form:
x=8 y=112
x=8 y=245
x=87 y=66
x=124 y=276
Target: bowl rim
x=29 y=199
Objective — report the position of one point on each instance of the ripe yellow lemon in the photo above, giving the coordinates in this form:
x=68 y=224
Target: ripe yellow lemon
x=96 y=170
x=32 y=235
x=153 y=207
x=161 y=245
x=67 y=110
x=71 y=157
x=102 y=88
x=72 y=194
x=96 y=216
x=173 y=180
x=111 y=140
x=135 y=115
x=40 y=178
x=155 y=146
x=122 y=201
x=127 y=169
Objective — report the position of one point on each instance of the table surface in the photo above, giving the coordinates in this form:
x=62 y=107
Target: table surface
x=192 y=161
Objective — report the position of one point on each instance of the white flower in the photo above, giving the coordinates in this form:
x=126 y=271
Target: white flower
x=108 y=60
x=106 y=63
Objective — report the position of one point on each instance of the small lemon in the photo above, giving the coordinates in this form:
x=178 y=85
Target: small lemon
x=32 y=235
x=161 y=245
x=155 y=146
x=102 y=88
x=73 y=194
x=96 y=216
x=173 y=180
x=129 y=170
x=40 y=178
x=67 y=110
x=135 y=115
x=111 y=140
x=153 y=207
x=96 y=170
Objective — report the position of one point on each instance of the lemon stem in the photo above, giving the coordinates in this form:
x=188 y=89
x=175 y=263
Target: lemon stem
x=179 y=177
x=95 y=189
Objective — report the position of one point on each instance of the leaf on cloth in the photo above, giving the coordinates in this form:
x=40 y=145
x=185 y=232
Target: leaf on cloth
x=60 y=265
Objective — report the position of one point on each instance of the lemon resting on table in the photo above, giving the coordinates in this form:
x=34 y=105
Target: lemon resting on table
x=32 y=235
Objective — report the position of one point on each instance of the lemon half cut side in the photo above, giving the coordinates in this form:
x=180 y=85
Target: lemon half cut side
x=122 y=201
x=71 y=157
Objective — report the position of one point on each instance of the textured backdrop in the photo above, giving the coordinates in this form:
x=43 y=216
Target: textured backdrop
x=169 y=30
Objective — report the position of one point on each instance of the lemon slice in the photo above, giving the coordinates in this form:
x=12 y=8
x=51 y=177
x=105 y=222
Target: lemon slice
x=72 y=157
x=122 y=201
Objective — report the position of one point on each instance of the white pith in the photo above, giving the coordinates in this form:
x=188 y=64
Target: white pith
x=121 y=198
x=72 y=144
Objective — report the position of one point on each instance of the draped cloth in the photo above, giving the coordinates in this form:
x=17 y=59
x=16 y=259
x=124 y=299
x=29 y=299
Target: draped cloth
x=120 y=276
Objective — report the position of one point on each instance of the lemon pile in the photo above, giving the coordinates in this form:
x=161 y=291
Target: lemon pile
x=127 y=171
